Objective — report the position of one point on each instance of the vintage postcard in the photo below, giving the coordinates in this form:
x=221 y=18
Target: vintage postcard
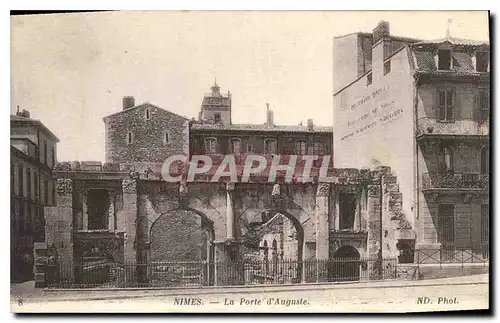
x=250 y=161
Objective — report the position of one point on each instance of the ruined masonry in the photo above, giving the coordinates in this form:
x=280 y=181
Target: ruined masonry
x=111 y=210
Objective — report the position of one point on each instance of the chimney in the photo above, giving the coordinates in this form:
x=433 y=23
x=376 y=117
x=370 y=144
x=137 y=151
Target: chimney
x=310 y=125
x=269 y=116
x=382 y=34
x=128 y=102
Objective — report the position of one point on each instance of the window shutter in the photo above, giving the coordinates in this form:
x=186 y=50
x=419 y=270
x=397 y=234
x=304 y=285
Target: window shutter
x=450 y=104
x=441 y=99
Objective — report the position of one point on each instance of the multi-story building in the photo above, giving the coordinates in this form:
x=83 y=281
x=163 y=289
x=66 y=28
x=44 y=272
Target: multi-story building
x=143 y=136
x=215 y=133
x=423 y=108
x=33 y=155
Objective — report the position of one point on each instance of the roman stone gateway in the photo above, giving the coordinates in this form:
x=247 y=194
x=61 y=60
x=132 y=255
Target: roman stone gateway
x=123 y=217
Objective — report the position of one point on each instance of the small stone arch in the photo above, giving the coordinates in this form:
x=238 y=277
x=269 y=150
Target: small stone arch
x=345 y=265
x=300 y=238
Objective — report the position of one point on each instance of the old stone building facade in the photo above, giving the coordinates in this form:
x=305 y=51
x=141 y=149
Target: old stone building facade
x=32 y=157
x=423 y=108
x=123 y=211
x=144 y=134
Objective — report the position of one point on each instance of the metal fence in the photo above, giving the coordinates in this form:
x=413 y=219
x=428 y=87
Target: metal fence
x=200 y=273
x=453 y=255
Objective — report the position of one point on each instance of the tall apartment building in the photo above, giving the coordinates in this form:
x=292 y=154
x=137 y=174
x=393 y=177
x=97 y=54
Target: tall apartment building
x=32 y=157
x=421 y=107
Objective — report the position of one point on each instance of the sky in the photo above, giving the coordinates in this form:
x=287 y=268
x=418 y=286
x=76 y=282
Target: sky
x=71 y=70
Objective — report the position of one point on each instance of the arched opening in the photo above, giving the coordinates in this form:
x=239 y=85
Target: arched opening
x=290 y=269
x=181 y=249
x=345 y=264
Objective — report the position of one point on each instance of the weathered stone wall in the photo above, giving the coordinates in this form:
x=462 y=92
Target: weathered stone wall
x=177 y=235
x=59 y=235
x=148 y=135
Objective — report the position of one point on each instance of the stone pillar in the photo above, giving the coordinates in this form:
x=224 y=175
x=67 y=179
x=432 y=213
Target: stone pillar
x=336 y=216
x=111 y=211
x=357 y=214
x=374 y=220
x=229 y=211
x=85 y=214
x=64 y=196
x=322 y=230
x=129 y=189
x=221 y=265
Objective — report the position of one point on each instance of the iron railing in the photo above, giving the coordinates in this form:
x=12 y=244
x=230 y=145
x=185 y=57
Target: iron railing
x=434 y=126
x=455 y=180
x=454 y=255
x=202 y=273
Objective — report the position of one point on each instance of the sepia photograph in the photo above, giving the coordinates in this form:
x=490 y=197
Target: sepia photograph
x=250 y=161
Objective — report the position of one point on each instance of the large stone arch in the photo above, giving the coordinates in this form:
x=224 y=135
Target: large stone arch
x=181 y=234
x=160 y=198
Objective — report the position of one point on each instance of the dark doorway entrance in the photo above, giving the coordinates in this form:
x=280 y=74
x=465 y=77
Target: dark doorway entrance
x=347 y=209
x=98 y=206
x=345 y=265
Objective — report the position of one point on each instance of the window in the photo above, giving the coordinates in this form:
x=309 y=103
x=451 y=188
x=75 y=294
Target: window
x=485 y=222
x=484 y=106
x=130 y=137
x=12 y=178
x=53 y=157
x=45 y=161
x=210 y=145
x=444 y=59
x=20 y=173
x=249 y=148
x=445 y=159
x=369 y=79
x=446 y=224
x=35 y=181
x=446 y=101
x=347 y=210
x=46 y=193
x=387 y=67
x=318 y=148
x=28 y=182
x=300 y=147
x=166 y=138
x=235 y=145
x=147 y=114
x=482 y=61
x=98 y=206
x=217 y=118
x=270 y=146
x=53 y=193
x=485 y=160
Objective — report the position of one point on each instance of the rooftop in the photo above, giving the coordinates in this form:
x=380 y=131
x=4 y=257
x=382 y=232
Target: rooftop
x=259 y=128
x=19 y=119
x=145 y=104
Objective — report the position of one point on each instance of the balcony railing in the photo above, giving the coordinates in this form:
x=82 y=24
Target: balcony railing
x=434 y=180
x=463 y=127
